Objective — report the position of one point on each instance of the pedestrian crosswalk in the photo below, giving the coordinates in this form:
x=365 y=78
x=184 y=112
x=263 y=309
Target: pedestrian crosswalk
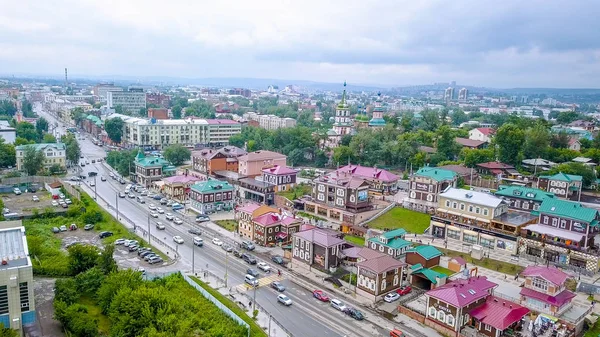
x=263 y=281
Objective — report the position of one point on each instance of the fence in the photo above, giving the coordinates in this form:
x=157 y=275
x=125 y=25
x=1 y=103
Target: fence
x=417 y=316
x=216 y=302
x=74 y=192
x=28 y=180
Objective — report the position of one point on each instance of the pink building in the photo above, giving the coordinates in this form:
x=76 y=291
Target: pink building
x=178 y=187
x=252 y=164
x=544 y=290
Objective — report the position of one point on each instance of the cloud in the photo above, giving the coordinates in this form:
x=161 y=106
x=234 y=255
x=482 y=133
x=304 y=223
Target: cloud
x=480 y=42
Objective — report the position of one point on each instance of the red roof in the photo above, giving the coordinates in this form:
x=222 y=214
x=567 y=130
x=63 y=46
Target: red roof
x=487 y=131
x=558 y=300
x=499 y=313
x=268 y=219
x=495 y=165
x=461 y=293
x=277 y=169
x=369 y=173
x=249 y=208
x=550 y=274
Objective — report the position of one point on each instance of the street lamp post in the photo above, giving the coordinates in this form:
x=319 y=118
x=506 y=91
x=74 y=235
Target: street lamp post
x=95 y=192
x=148 y=229
x=226 y=266
x=193 y=258
x=254 y=300
x=117 y=204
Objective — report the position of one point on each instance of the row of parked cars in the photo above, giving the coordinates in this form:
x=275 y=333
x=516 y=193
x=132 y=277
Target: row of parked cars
x=338 y=305
x=144 y=253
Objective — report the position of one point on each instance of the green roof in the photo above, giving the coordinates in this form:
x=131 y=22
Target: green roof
x=522 y=192
x=212 y=186
x=436 y=173
x=152 y=161
x=569 y=209
x=397 y=243
x=42 y=146
x=427 y=252
x=563 y=177
x=394 y=233
x=377 y=122
x=431 y=275
x=416 y=266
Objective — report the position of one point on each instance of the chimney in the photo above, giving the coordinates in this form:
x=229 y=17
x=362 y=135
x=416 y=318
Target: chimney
x=503 y=303
x=510 y=306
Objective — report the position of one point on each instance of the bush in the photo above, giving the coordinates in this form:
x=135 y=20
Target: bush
x=82 y=258
x=65 y=290
x=92 y=217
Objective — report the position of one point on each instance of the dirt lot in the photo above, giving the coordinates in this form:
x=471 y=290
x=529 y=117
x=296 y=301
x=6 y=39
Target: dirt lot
x=23 y=204
x=44 y=297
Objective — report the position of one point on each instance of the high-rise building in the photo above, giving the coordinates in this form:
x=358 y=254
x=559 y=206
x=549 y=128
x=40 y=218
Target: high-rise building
x=463 y=94
x=131 y=101
x=449 y=94
x=101 y=91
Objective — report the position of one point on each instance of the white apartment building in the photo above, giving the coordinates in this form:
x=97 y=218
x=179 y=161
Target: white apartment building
x=101 y=91
x=270 y=122
x=17 y=306
x=143 y=132
x=55 y=153
x=8 y=133
x=131 y=101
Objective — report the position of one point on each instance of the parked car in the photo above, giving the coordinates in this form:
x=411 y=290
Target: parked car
x=54 y=203
x=227 y=247
x=169 y=216
x=163 y=201
x=264 y=267
x=178 y=221
x=404 y=290
x=105 y=234
x=337 y=304
x=160 y=226
x=64 y=205
x=61 y=195
x=88 y=227
x=283 y=299
x=277 y=286
x=252 y=272
x=149 y=256
x=320 y=295
x=55 y=230
x=131 y=195
x=217 y=241
x=354 y=313
x=63 y=228
x=278 y=259
x=248 y=245
x=121 y=195
x=176 y=206
x=119 y=242
x=35 y=198
x=178 y=239
x=154 y=214
x=17 y=191
x=194 y=231
x=92 y=183
x=133 y=248
x=391 y=297
x=144 y=253
x=68 y=201
x=160 y=210
x=103 y=178
x=249 y=258
x=202 y=218
x=155 y=259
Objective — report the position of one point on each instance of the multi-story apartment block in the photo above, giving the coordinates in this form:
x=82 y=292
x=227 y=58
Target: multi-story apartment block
x=317 y=246
x=54 y=153
x=520 y=198
x=211 y=196
x=269 y=122
x=565 y=186
x=425 y=186
x=149 y=169
x=563 y=235
x=544 y=290
x=381 y=182
x=158 y=99
x=17 y=307
x=463 y=94
x=252 y=164
x=208 y=161
x=101 y=91
x=478 y=218
x=281 y=177
x=157 y=134
x=245 y=216
x=131 y=101
x=390 y=242
x=275 y=228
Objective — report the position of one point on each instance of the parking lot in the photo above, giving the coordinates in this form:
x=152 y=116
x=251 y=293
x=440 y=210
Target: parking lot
x=23 y=204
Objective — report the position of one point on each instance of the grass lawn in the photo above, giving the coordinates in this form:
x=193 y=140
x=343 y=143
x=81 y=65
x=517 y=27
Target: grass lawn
x=255 y=329
x=443 y=270
x=500 y=266
x=398 y=217
x=95 y=311
x=594 y=331
x=310 y=216
x=230 y=225
x=357 y=240
x=296 y=192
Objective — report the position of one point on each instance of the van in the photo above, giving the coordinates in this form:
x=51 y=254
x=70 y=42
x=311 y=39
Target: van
x=251 y=280
x=198 y=241
x=140 y=200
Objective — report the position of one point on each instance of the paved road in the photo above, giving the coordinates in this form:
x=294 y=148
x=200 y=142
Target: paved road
x=306 y=317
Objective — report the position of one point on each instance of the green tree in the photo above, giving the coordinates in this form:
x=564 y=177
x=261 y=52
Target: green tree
x=41 y=126
x=82 y=258
x=33 y=160
x=472 y=157
x=48 y=138
x=447 y=147
x=567 y=117
x=90 y=281
x=176 y=110
x=537 y=140
x=27 y=109
x=7 y=108
x=342 y=155
x=106 y=262
x=7 y=332
x=119 y=109
x=27 y=131
x=73 y=151
x=430 y=121
x=115 y=282
x=7 y=154
x=296 y=157
x=459 y=117
x=114 y=129
x=177 y=154
x=22 y=141
x=510 y=139
x=78 y=115
x=200 y=108
x=560 y=140
x=121 y=161
x=55 y=169
x=65 y=290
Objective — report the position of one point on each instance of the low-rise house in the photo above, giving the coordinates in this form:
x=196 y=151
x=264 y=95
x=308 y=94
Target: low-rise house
x=272 y=228
x=482 y=134
x=380 y=181
x=426 y=256
x=574 y=144
x=245 y=216
x=425 y=185
x=211 y=196
x=54 y=154
x=378 y=276
x=495 y=168
x=207 y=161
x=149 y=169
x=470 y=143
x=544 y=290
x=520 y=198
x=495 y=317
x=281 y=177
x=252 y=164
x=178 y=187
x=318 y=247
x=391 y=243
x=538 y=165
x=566 y=186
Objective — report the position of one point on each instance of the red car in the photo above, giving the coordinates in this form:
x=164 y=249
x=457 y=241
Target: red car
x=320 y=295
x=404 y=290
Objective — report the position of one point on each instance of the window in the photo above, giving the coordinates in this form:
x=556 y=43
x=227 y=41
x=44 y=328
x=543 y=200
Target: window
x=554 y=222
x=488 y=327
x=396 y=280
x=413 y=195
x=477 y=210
x=462 y=207
x=24 y=296
x=540 y=283
x=470 y=238
x=381 y=248
x=383 y=284
x=373 y=245
x=470 y=208
x=563 y=223
x=546 y=220
x=448 y=203
x=450 y=320
x=485 y=211
x=455 y=205
x=441 y=316
x=3 y=300
x=432 y=312
x=453 y=235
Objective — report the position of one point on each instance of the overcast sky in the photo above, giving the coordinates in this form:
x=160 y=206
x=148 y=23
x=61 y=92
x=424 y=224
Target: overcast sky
x=499 y=43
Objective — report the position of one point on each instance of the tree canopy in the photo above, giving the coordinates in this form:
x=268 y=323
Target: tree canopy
x=114 y=129
x=33 y=160
x=177 y=154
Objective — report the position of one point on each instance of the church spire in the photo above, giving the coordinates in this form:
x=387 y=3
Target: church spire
x=343 y=101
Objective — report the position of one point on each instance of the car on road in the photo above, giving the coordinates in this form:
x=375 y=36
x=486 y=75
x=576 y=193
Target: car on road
x=278 y=259
x=103 y=178
x=320 y=295
x=176 y=207
x=155 y=259
x=157 y=197
x=92 y=183
x=248 y=245
x=122 y=182
x=283 y=299
x=252 y=272
x=178 y=221
x=278 y=286
x=404 y=290
x=178 y=239
x=249 y=258
x=198 y=241
x=354 y=313
x=169 y=216
x=93 y=161
x=121 y=195
x=119 y=241
x=163 y=201
x=217 y=241
x=140 y=200
x=35 y=198
x=154 y=214
x=226 y=247
x=391 y=297
x=112 y=175
x=160 y=210
x=144 y=193
x=54 y=203
x=105 y=234
x=337 y=304
x=264 y=267
x=63 y=228
x=17 y=191
x=88 y=227
x=251 y=280
x=236 y=252
x=202 y=218
x=131 y=195
x=160 y=226
x=194 y=231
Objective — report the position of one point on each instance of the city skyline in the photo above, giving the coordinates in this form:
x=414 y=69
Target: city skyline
x=385 y=43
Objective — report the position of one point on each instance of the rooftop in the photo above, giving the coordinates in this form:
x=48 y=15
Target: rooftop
x=380 y=264
x=321 y=237
x=569 y=209
x=427 y=252
x=550 y=274
x=461 y=293
x=486 y=131
x=13 y=247
x=394 y=233
x=429 y=274
x=563 y=177
x=181 y=179
x=473 y=197
x=212 y=186
x=515 y=191
x=469 y=142
x=495 y=165
x=395 y=243
x=436 y=173
x=248 y=208
x=499 y=313
x=558 y=300
x=367 y=173
x=278 y=170
x=42 y=146
x=261 y=155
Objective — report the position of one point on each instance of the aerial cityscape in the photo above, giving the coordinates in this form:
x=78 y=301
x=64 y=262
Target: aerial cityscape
x=307 y=169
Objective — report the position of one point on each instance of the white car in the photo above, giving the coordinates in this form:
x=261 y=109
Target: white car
x=160 y=226
x=217 y=241
x=54 y=203
x=337 y=304
x=35 y=198
x=281 y=298
x=178 y=239
x=152 y=207
x=178 y=221
x=68 y=201
x=160 y=210
x=154 y=214
x=92 y=183
x=264 y=267
x=391 y=297
x=169 y=216
x=119 y=241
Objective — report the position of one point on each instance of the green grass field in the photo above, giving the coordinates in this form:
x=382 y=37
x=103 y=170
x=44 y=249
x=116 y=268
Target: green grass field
x=296 y=192
x=357 y=240
x=443 y=270
x=398 y=217
x=95 y=311
x=230 y=225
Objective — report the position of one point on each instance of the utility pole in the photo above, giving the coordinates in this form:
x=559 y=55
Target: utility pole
x=270 y=325
x=193 y=257
x=226 y=267
x=148 y=229
x=95 y=192
x=254 y=300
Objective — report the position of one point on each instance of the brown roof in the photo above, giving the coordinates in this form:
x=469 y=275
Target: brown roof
x=381 y=264
x=459 y=169
x=468 y=142
x=55 y=184
x=427 y=149
x=261 y=155
x=368 y=253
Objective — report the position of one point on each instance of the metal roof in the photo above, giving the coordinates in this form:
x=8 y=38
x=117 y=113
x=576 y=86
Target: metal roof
x=13 y=247
x=474 y=197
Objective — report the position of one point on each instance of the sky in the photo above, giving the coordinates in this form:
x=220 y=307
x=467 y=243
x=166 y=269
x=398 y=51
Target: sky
x=502 y=44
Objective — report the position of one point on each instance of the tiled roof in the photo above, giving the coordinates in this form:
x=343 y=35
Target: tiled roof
x=352 y=252
x=322 y=237
x=495 y=165
x=469 y=142
x=550 y=274
x=42 y=146
x=181 y=179
x=459 y=260
x=461 y=293
x=558 y=300
x=473 y=197
x=248 y=208
x=212 y=186
x=394 y=233
x=380 y=264
x=368 y=173
x=377 y=122
x=436 y=173
x=563 y=177
x=427 y=252
x=486 y=131
x=368 y=253
x=277 y=170
x=499 y=313
x=568 y=209
x=268 y=219
x=522 y=192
